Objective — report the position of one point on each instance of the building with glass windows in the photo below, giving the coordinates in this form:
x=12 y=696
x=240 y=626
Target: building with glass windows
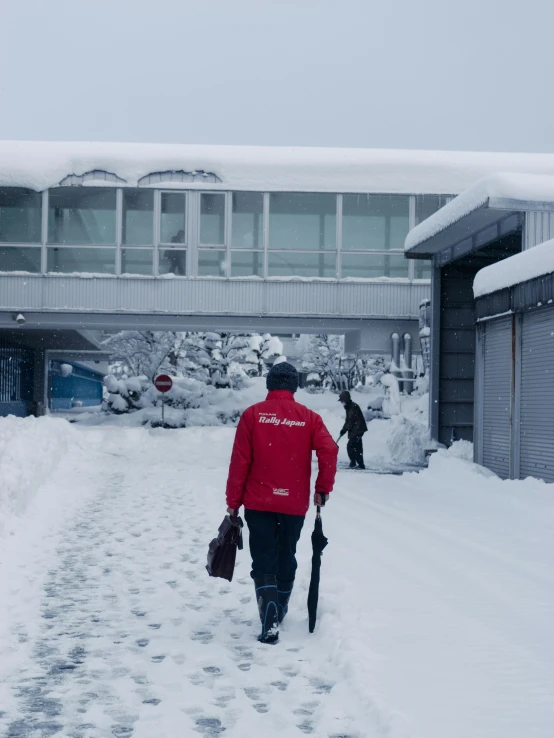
x=96 y=236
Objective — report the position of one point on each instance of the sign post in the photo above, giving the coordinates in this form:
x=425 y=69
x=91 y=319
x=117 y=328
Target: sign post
x=163 y=383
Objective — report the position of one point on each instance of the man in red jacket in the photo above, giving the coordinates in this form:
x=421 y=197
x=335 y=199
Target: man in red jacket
x=269 y=474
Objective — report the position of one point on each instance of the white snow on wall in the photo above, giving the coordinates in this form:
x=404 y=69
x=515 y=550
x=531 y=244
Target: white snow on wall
x=39 y=165
x=519 y=268
x=511 y=186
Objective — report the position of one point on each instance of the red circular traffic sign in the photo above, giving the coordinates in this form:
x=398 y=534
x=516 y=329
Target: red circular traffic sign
x=163 y=383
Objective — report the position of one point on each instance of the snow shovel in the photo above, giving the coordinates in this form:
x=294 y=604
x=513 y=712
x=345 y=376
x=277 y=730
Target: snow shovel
x=318 y=544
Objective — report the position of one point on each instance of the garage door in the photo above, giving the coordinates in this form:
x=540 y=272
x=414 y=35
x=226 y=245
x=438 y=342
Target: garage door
x=497 y=396
x=537 y=396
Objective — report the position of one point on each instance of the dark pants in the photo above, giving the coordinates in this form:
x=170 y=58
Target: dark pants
x=355 y=450
x=273 y=539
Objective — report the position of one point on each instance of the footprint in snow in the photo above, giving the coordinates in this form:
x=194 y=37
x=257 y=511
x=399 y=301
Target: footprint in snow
x=203 y=636
x=321 y=687
x=209 y=726
x=213 y=670
x=289 y=671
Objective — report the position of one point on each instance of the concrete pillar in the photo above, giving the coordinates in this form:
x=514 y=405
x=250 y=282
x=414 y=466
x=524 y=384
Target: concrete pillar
x=39 y=405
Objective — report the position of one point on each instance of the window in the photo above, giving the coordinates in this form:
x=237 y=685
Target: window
x=212 y=219
x=303 y=222
x=248 y=215
x=94 y=260
x=247 y=263
x=376 y=222
x=426 y=205
x=422 y=268
x=211 y=263
x=173 y=261
x=81 y=216
x=372 y=265
x=138 y=217
x=173 y=226
x=20 y=215
x=137 y=261
x=19 y=259
x=289 y=264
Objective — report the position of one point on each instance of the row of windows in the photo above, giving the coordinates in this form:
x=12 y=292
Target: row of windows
x=210 y=263
x=210 y=233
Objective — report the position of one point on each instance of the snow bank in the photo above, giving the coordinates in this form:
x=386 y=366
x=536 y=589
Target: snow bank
x=519 y=268
x=30 y=450
x=40 y=165
x=407 y=440
x=510 y=186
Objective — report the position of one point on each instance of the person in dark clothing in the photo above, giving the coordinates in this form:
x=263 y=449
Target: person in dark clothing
x=355 y=426
x=270 y=474
x=177 y=260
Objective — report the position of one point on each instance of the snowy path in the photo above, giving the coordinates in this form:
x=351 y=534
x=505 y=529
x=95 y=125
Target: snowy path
x=435 y=613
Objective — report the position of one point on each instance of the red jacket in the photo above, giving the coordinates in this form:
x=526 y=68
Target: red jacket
x=271 y=462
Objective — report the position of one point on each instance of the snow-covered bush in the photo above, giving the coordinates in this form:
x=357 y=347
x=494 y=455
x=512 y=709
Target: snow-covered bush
x=124 y=395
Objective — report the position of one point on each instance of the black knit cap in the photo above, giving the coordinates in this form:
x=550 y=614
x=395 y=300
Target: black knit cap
x=282 y=376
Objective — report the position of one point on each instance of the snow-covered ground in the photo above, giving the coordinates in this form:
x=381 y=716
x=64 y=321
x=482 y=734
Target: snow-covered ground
x=435 y=611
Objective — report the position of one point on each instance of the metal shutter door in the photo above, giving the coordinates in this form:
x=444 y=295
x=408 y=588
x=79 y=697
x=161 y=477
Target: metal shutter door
x=537 y=396
x=497 y=394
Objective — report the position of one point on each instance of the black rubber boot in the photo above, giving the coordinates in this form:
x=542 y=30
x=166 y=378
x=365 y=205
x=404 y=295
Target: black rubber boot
x=284 y=590
x=352 y=465
x=267 y=599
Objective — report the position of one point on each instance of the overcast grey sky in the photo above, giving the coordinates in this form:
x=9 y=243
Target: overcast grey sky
x=468 y=74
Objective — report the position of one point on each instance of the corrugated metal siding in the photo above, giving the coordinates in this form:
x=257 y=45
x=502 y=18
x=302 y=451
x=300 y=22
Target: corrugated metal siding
x=537 y=396
x=497 y=396
x=539 y=227
x=212 y=296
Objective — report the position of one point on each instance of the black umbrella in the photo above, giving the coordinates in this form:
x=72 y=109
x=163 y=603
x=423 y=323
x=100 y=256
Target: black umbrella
x=318 y=544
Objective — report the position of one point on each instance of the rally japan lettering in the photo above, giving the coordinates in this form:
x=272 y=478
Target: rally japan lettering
x=272 y=419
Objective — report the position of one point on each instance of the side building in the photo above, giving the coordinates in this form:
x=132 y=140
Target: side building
x=492 y=323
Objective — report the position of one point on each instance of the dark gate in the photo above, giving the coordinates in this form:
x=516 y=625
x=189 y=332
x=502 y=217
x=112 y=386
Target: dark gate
x=16 y=380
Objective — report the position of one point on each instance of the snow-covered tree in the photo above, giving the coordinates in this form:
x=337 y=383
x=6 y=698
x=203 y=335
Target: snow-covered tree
x=143 y=353
x=264 y=348
x=221 y=359
x=323 y=356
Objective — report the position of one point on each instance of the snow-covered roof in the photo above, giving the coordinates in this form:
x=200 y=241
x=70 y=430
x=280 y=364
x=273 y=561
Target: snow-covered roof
x=39 y=165
x=522 y=267
x=514 y=191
